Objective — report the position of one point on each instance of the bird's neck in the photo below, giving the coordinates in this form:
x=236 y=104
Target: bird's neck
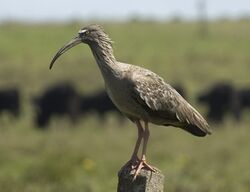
x=103 y=53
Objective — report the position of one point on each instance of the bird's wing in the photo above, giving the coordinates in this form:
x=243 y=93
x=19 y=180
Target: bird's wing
x=153 y=92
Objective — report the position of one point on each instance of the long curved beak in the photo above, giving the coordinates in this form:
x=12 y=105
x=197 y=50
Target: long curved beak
x=65 y=48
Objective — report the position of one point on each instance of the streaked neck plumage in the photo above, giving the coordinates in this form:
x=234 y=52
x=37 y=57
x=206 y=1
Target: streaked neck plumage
x=103 y=53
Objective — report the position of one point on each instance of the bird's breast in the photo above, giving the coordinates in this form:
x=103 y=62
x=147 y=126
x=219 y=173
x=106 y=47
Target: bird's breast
x=119 y=92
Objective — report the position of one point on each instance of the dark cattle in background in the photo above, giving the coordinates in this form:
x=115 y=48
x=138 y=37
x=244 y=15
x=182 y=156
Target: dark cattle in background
x=10 y=101
x=220 y=99
x=61 y=99
x=99 y=103
x=181 y=90
x=243 y=101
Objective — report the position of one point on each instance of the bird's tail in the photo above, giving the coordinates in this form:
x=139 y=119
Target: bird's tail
x=195 y=130
x=192 y=121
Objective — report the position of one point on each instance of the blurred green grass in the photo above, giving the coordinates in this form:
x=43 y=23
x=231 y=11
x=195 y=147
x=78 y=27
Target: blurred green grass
x=87 y=156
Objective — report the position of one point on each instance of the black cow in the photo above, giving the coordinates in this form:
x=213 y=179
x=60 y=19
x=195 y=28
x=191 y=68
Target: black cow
x=220 y=99
x=61 y=99
x=10 y=101
x=242 y=102
x=181 y=90
x=99 y=103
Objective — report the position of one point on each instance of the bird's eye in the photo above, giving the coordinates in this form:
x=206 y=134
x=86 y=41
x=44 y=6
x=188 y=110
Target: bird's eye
x=83 y=32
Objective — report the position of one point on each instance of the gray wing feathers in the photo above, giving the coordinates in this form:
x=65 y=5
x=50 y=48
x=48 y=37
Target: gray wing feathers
x=186 y=113
x=162 y=98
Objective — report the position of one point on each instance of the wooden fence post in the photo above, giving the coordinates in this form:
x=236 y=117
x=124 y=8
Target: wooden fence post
x=146 y=181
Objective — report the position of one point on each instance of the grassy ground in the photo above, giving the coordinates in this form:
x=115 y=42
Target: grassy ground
x=87 y=156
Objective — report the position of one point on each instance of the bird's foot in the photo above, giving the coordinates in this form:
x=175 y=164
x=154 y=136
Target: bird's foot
x=131 y=164
x=137 y=164
x=142 y=165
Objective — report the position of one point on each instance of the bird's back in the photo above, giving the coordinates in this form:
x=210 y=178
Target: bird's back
x=145 y=95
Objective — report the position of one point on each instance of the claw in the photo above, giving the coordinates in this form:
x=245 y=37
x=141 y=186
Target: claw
x=131 y=164
x=142 y=165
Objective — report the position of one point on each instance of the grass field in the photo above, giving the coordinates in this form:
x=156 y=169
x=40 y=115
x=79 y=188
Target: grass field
x=87 y=156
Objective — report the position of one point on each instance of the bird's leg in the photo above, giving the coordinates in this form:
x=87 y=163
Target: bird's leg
x=138 y=142
x=143 y=163
x=134 y=160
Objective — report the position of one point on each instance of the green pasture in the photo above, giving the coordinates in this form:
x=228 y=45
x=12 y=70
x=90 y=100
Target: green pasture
x=88 y=155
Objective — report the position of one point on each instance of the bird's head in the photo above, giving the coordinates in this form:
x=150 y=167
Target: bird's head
x=91 y=34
